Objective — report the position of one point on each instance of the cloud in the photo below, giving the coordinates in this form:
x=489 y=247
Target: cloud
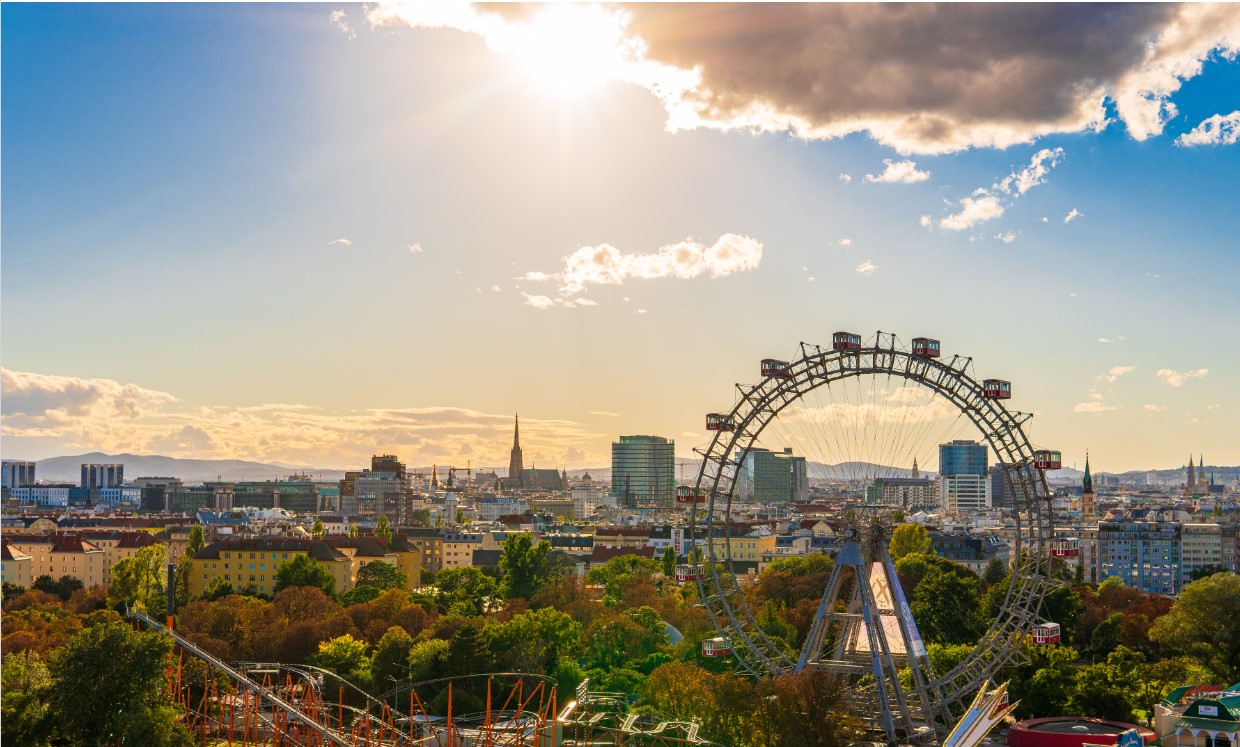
x=1093 y=407
x=73 y=415
x=604 y=413
x=866 y=268
x=415 y=248
x=926 y=221
x=641 y=311
x=1177 y=378
x=1221 y=129
x=920 y=78
x=903 y=172
x=342 y=242
x=546 y=302
x=1006 y=237
x=495 y=289
x=1072 y=215
x=1114 y=373
x=1194 y=33
x=1045 y=219
x=1152 y=408
x=973 y=210
x=845 y=242
x=987 y=204
x=606 y=265
x=338 y=18
x=845 y=178
x=1109 y=340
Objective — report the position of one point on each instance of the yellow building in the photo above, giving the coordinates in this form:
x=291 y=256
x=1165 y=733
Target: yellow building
x=15 y=565
x=118 y=546
x=748 y=548
x=368 y=549
x=254 y=562
x=60 y=554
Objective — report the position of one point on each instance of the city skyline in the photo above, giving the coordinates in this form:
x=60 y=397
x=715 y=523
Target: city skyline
x=309 y=234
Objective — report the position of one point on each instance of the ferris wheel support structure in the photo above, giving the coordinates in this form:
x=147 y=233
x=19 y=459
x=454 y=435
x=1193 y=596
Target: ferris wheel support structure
x=941 y=697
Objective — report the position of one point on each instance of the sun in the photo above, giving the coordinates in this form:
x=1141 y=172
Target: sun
x=568 y=49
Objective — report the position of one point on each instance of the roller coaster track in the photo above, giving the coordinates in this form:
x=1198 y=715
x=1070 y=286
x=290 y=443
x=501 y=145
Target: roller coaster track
x=314 y=732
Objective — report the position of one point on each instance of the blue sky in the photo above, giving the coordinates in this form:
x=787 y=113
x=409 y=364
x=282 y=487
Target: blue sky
x=175 y=177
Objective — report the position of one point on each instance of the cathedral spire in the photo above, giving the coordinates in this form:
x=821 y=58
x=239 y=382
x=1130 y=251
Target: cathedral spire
x=916 y=473
x=1192 y=479
x=1088 y=481
x=1201 y=471
x=1087 y=493
x=515 y=464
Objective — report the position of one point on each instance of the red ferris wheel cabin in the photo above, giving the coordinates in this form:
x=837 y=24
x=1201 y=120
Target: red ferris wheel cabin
x=845 y=341
x=924 y=347
x=996 y=389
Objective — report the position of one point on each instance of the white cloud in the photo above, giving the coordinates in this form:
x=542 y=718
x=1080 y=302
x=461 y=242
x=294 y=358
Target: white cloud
x=903 y=172
x=415 y=248
x=1109 y=340
x=606 y=265
x=1006 y=237
x=845 y=178
x=810 y=279
x=495 y=289
x=1094 y=407
x=342 y=242
x=1045 y=219
x=546 y=302
x=973 y=210
x=845 y=242
x=1072 y=215
x=925 y=221
x=1197 y=31
x=338 y=18
x=1114 y=373
x=1152 y=408
x=1221 y=129
x=538 y=302
x=1213 y=407
x=866 y=268
x=987 y=204
x=641 y=311
x=1177 y=378
x=604 y=413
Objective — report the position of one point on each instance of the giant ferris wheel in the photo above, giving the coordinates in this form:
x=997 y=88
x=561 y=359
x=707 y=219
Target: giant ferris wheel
x=854 y=410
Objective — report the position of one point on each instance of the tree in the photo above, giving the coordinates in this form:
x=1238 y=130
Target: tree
x=383 y=529
x=12 y=590
x=304 y=570
x=216 y=588
x=1099 y=692
x=391 y=655
x=62 y=587
x=428 y=658
x=526 y=566
x=1208 y=570
x=466 y=589
x=534 y=641
x=996 y=570
x=141 y=579
x=910 y=538
x=25 y=686
x=94 y=706
x=381 y=575
x=352 y=529
x=318 y=531
x=185 y=567
x=1105 y=637
x=1203 y=625
x=197 y=540
x=615 y=574
x=669 y=562
x=344 y=655
x=945 y=608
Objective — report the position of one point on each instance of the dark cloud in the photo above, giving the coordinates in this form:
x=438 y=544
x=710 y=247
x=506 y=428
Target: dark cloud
x=920 y=77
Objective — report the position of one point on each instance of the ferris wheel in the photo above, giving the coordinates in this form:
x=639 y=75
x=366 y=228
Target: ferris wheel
x=856 y=412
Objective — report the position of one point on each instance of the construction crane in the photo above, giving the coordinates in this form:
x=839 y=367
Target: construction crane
x=469 y=475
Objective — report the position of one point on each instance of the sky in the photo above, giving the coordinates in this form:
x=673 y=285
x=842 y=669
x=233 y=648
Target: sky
x=306 y=234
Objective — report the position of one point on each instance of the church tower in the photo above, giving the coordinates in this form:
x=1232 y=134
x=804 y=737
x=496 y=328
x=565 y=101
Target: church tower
x=1201 y=472
x=515 y=465
x=1087 y=494
x=916 y=473
x=1192 y=481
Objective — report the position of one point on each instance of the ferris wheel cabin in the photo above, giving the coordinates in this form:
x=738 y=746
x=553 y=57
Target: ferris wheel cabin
x=689 y=494
x=772 y=367
x=718 y=646
x=924 y=347
x=1065 y=547
x=996 y=389
x=717 y=421
x=1045 y=634
x=1047 y=459
x=687 y=573
x=845 y=341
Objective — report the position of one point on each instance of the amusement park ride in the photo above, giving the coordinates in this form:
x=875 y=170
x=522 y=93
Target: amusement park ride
x=867 y=634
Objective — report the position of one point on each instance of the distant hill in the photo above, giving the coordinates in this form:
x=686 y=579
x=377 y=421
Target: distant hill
x=69 y=468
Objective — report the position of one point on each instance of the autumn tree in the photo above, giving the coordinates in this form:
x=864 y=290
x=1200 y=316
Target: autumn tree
x=383 y=529
x=141 y=578
x=908 y=539
x=526 y=566
x=25 y=686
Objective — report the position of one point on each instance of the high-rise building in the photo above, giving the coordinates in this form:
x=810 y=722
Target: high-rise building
x=1000 y=495
x=767 y=476
x=964 y=484
x=962 y=457
x=18 y=473
x=643 y=471
x=95 y=476
x=1144 y=555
